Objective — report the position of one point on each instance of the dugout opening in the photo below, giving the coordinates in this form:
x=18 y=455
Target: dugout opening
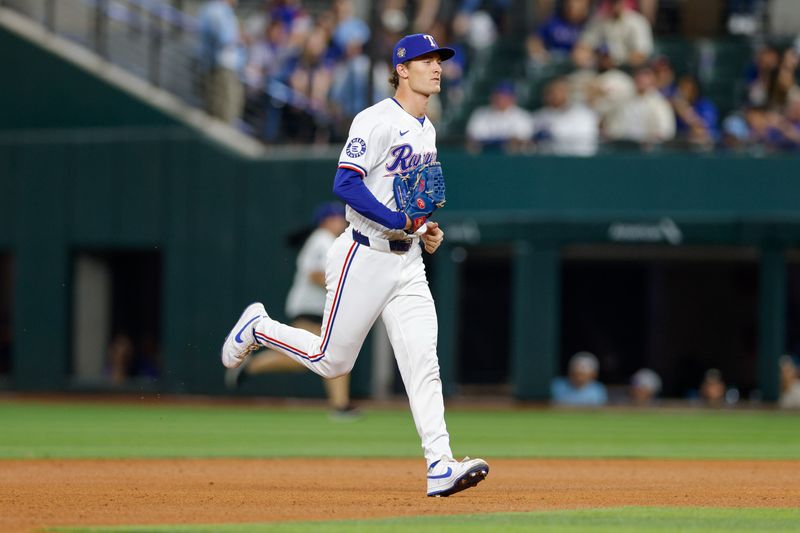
x=116 y=318
x=483 y=332
x=6 y=306
x=793 y=302
x=678 y=311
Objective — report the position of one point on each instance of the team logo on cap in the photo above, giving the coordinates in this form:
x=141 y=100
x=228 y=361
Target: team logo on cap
x=356 y=147
x=401 y=52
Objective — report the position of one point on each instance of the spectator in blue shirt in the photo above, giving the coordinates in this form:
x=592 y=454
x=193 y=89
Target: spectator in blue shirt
x=581 y=387
x=665 y=76
x=756 y=130
x=696 y=117
x=350 y=83
x=554 y=40
x=790 y=124
x=221 y=59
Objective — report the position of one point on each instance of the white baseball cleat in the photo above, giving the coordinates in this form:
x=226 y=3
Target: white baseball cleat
x=241 y=340
x=448 y=476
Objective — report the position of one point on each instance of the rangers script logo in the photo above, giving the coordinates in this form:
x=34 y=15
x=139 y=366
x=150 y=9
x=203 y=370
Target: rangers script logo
x=356 y=147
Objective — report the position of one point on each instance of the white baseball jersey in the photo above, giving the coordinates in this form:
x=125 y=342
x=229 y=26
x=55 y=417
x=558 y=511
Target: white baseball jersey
x=385 y=140
x=305 y=296
x=367 y=281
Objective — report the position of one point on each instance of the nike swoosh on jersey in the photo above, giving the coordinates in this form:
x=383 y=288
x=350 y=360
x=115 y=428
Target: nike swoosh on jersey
x=404 y=132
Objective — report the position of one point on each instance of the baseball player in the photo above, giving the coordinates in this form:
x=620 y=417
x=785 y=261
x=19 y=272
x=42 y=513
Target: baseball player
x=305 y=304
x=375 y=267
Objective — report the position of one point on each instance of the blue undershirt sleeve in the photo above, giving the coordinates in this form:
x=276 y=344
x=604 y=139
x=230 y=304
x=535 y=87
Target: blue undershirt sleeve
x=350 y=189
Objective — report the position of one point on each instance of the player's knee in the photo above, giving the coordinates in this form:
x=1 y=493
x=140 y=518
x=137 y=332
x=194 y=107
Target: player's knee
x=334 y=369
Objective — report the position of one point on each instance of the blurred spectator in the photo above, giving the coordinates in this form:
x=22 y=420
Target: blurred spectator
x=772 y=81
x=221 y=59
x=784 y=85
x=790 y=123
x=350 y=81
x=649 y=8
x=543 y=9
x=645 y=386
x=124 y=361
x=267 y=58
x=696 y=116
x=349 y=28
x=790 y=382
x=120 y=358
x=604 y=89
x=502 y=124
x=712 y=388
x=626 y=33
x=292 y=15
x=647 y=118
x=665 y=76
x=564 y=128
x=581 y=387
x=757 y=129
x=476 y=29
x=454 y=69
x=310 y=78
x=495 y=11
x=744 y=16
x=555 y=39
x=760 y=75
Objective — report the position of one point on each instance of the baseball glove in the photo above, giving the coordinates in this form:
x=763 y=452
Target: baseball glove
x=419 y=192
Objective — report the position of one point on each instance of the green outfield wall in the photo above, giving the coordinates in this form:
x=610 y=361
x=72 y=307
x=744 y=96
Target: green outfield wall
x=83 y=167
x=220 y=224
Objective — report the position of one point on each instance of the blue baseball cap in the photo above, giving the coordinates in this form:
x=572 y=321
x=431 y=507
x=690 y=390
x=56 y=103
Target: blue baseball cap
x=330 y=209
x=418 y=44
x=504 y=87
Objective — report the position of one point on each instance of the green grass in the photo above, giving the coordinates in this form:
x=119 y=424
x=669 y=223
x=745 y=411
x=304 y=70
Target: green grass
x=74 y=430
x=633 y=519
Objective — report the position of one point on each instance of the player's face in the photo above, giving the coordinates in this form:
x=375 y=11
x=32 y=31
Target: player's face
x=425 y=74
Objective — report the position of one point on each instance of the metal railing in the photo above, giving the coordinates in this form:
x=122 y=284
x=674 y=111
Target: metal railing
x=157 y=40
x=153 y=39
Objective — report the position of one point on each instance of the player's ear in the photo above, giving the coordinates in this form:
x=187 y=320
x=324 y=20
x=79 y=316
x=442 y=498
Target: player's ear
x=402 y=70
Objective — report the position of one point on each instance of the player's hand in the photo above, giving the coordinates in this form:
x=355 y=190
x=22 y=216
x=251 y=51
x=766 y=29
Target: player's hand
x=433 y=237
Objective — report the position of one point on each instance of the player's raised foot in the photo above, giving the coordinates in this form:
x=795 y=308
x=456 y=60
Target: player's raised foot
x=241 y=340
x=448 y=476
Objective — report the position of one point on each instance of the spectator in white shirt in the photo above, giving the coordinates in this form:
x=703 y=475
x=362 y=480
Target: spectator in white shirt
x=646 y=118
x=602 y=88
x=625 y=31
x=503 y=124
x=563 y=127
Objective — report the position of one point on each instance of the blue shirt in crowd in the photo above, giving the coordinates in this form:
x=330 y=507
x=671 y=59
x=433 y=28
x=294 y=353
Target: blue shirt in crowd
x=564 y=393
x=707 y=112
x=219 y=36
x=559 y=35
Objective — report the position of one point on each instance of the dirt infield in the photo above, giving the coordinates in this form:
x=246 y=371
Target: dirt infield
x=36 y=493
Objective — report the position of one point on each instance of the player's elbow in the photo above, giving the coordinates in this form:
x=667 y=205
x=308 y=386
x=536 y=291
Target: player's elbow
x=339 y=190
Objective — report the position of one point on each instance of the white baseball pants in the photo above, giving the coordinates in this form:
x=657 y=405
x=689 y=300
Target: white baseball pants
x=364 y=283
